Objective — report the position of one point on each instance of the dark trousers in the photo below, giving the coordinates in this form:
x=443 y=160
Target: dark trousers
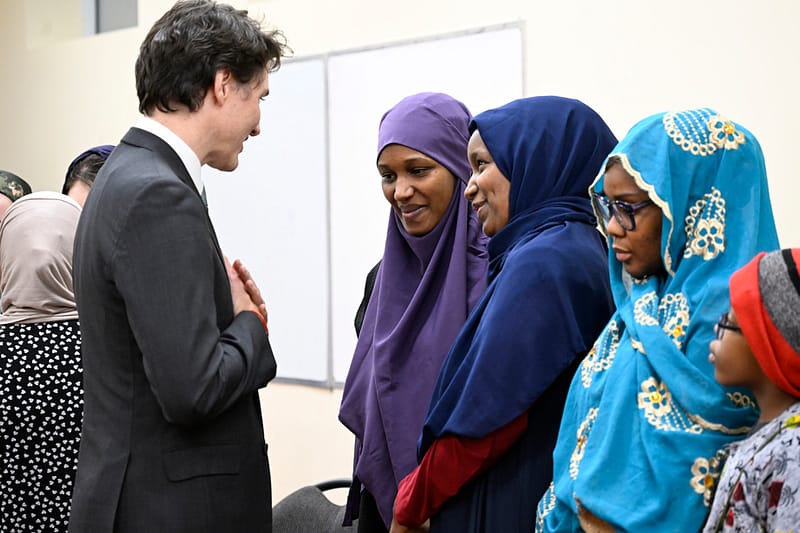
x=369 y=519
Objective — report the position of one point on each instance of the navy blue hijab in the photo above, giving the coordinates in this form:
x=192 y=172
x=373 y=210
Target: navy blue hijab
x=548 y=295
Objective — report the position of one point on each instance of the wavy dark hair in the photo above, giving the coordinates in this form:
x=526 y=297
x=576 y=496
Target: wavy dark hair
x=190 y=43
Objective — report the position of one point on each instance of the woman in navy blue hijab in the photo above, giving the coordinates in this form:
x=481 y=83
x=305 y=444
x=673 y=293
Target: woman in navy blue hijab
x=487 y=442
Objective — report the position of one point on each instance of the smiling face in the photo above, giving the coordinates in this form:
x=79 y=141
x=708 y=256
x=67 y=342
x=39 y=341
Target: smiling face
x=638 y=250
x=418 y=188
x=733 y=360
x=488 y=188
x=239 y=118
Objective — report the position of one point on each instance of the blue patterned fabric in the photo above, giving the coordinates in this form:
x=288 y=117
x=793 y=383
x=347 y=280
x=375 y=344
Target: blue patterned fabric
x=645 y=418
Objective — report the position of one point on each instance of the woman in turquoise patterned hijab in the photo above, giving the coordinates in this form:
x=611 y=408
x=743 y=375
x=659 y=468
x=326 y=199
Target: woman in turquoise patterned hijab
x=684 y=202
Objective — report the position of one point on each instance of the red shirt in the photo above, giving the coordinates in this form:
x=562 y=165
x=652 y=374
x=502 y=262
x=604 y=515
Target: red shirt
x=450 y=463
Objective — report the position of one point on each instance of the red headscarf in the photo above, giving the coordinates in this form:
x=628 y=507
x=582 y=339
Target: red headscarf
x=765 y=295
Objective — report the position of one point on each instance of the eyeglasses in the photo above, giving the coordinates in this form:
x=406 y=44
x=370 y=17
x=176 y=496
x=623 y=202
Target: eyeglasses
x=623 y=211
x=723 y=324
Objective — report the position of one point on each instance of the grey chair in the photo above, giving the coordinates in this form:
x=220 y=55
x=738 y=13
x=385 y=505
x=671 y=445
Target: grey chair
x=308 y=510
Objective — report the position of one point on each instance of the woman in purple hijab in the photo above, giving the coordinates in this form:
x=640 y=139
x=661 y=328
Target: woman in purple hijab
x=433 y=271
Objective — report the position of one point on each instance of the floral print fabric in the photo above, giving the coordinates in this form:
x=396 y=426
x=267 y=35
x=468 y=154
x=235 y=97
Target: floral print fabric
x=759 y=489
x=645 y=419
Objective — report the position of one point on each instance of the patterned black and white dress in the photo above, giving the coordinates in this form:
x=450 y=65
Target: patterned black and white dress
x=41 y=407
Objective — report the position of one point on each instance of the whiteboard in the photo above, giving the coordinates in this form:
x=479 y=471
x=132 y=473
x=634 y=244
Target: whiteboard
x=271 y=212
x=304 y=210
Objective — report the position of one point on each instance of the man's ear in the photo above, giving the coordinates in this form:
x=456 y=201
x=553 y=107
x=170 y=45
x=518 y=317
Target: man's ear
x=223 y=85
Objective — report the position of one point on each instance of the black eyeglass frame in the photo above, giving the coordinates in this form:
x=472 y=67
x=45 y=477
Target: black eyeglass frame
x=603 y=205
x=723 y=324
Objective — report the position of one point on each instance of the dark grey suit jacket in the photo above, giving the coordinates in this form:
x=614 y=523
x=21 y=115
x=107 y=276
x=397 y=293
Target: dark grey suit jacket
x=172 y=435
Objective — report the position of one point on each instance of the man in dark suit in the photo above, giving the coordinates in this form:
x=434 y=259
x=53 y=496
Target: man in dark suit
x=175 y=343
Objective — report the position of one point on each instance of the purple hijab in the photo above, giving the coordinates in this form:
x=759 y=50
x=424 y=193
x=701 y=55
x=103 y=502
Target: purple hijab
x=424 y=291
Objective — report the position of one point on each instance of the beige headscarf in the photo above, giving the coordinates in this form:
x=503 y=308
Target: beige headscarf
x=36 y=237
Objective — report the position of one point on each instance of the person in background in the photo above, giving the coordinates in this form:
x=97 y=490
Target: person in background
x=175 y=340
x=432 y=273
x=82 y=171
x=684 y=202
x=40 y=363
x=758 y=347
x=487 y=441
x=12 y=188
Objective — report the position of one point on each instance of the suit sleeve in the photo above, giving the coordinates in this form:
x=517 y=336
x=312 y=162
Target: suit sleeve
x=174 y=286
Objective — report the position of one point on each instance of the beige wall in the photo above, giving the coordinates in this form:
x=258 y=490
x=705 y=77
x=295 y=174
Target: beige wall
x=307 y=444
x=48 y=21
x=626 y=58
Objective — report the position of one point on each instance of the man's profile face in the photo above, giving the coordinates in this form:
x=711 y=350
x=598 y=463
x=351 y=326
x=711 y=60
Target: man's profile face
x=239 y=119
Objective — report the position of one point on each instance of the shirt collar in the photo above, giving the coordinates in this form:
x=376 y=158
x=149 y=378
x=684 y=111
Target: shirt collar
x=185 y=153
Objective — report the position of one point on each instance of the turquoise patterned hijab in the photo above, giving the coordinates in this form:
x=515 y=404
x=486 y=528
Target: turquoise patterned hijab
x=645 y=419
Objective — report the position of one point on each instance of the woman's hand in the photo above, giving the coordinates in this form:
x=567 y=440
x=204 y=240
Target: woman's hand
x=590 y=523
